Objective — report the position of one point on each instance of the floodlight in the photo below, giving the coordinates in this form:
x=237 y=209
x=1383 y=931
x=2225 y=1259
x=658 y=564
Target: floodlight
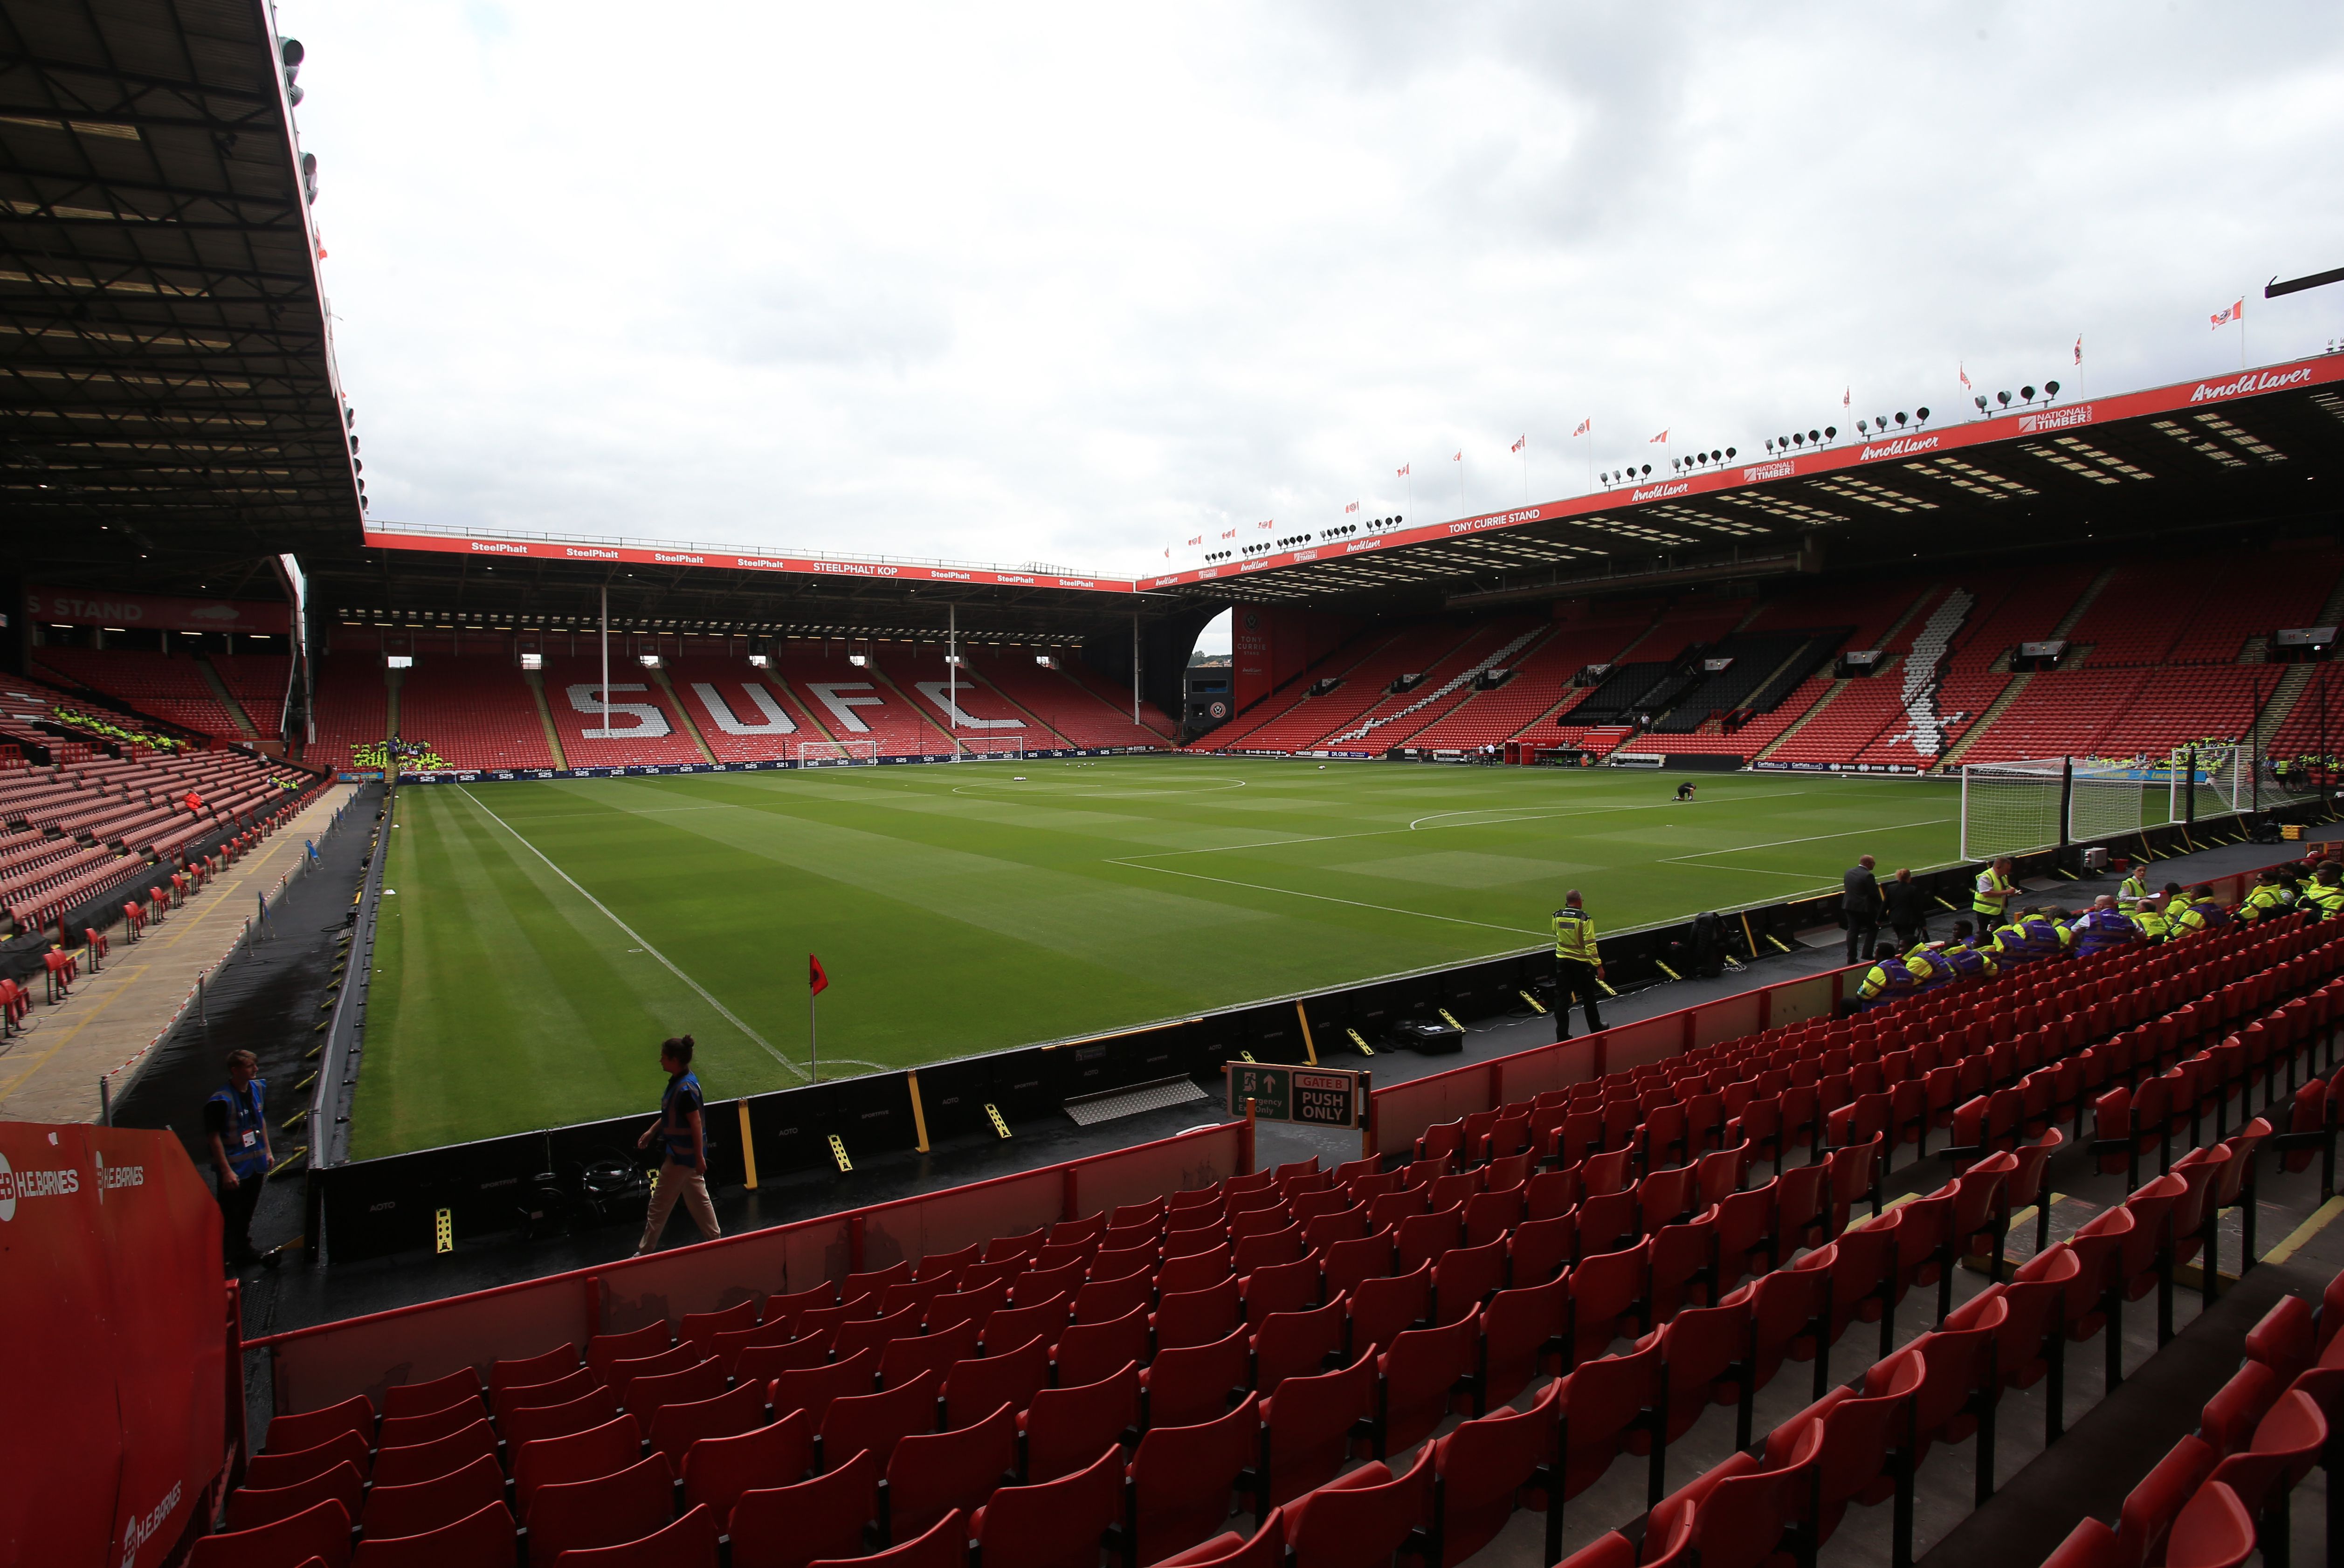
x=2003 y=397
x=2050 y=389
x=2027 y=393
x=1831 y=432
x=1922 y=415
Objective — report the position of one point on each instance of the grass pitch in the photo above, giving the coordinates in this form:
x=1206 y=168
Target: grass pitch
x=542 y=938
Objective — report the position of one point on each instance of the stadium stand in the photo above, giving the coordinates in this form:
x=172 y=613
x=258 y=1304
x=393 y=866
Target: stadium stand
x=1538 y=1295
x=475 y=711
x=1076 y=708
x=351 y=705
x=171 y=686
x=256 y=681
x=643 y=720
x=1295 y=719
x=2161 y=654
x=70 y=830
x=1118 y=697
x=921 y=675
x=742 y=715
x=1540 y=693
x=857 y=702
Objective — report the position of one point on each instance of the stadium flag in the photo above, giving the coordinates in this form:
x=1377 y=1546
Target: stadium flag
x=2234 y=313
x=816 y=979
x=1521 y=441
x=1403 y=471
x=1662 y=436
x=2079 y=347
x=1962 y=370
x=1847 y=397
x=1585 y=425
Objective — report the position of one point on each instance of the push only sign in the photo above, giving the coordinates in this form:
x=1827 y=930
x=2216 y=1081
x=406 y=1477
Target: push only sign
x=1314 y=1097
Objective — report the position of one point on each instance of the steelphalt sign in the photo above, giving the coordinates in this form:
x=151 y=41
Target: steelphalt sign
x=1313 y=1097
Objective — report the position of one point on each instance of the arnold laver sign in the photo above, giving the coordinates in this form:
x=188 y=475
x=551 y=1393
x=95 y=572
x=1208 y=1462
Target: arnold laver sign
x=1315 y=1097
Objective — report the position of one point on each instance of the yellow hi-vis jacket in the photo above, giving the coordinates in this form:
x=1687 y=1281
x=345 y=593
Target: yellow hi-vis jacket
x=2132 y=886
x=1574 y=935
x=1990 y=882
x=2326 y=897
x=2262 y=903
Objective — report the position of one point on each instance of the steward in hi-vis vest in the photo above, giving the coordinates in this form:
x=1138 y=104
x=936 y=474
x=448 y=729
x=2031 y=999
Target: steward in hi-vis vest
x=1578 y=966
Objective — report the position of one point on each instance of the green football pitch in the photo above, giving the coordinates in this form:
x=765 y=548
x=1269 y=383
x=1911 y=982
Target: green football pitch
x=538 y=939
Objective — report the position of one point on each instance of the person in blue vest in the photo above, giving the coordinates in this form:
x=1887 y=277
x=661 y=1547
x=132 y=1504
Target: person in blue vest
x=235 y=1125
x=682 y=1133
x=1889 y=977
x=2103 y=926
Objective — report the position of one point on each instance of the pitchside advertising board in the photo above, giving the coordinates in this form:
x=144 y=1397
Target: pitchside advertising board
x=113 y=1345
x=1313 y=1097
x=650 y=770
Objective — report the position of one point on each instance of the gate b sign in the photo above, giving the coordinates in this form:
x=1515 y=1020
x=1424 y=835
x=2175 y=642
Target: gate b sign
x=1313 y=1097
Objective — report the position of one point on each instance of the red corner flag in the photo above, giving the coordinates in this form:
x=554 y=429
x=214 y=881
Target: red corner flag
x=816 y=981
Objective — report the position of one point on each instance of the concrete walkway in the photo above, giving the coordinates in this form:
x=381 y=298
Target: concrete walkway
x=50 y=1072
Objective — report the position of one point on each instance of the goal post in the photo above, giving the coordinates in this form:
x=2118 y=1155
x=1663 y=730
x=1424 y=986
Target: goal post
x=836 y=753
x=2032 y=803
x=2011 y=808
x=990 y=748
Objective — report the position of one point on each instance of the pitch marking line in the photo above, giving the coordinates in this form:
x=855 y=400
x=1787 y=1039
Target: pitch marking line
x=1817 y=838
x=1327 y=899
x=730 y=1016
x=1417 y=827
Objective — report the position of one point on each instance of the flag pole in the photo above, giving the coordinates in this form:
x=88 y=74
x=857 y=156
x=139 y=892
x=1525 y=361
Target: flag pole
x=814 y=1046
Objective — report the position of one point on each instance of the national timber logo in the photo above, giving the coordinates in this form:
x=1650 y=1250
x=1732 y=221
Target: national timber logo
x=15 y=1184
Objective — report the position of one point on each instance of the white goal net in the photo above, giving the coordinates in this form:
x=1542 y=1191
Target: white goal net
x=2016 y=808
x=990 y=748
x=836 y=753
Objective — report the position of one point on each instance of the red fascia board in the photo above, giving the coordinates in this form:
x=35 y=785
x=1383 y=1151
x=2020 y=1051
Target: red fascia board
x=492 y=549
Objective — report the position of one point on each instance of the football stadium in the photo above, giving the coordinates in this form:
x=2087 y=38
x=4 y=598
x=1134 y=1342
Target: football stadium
x=1777 y=1009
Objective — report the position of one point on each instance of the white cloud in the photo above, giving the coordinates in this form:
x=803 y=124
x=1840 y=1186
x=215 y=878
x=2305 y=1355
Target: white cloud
x=1075 y=284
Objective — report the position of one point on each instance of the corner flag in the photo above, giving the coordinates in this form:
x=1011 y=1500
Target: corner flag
x=817 y=982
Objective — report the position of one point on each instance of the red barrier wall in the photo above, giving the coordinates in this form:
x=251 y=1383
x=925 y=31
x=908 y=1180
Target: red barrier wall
x=111 y=1348
x=321 y=1365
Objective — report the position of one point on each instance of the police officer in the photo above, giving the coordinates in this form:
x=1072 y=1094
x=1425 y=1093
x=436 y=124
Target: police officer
x=2102 y=926
x=236 y=1124
x=1578 y=966
x=1990 y=900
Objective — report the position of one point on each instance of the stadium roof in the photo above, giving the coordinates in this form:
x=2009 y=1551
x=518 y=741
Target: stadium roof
x=2263 y=443
x=171 y=415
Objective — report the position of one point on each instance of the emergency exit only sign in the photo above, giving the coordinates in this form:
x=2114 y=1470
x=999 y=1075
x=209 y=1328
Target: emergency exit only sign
x=1313 y=1097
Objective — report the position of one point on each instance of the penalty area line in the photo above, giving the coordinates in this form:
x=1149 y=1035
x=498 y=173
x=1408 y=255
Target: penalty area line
x=730 y=1017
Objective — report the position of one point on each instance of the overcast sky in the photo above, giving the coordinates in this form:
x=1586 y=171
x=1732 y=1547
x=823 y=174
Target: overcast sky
x=1076 y=284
